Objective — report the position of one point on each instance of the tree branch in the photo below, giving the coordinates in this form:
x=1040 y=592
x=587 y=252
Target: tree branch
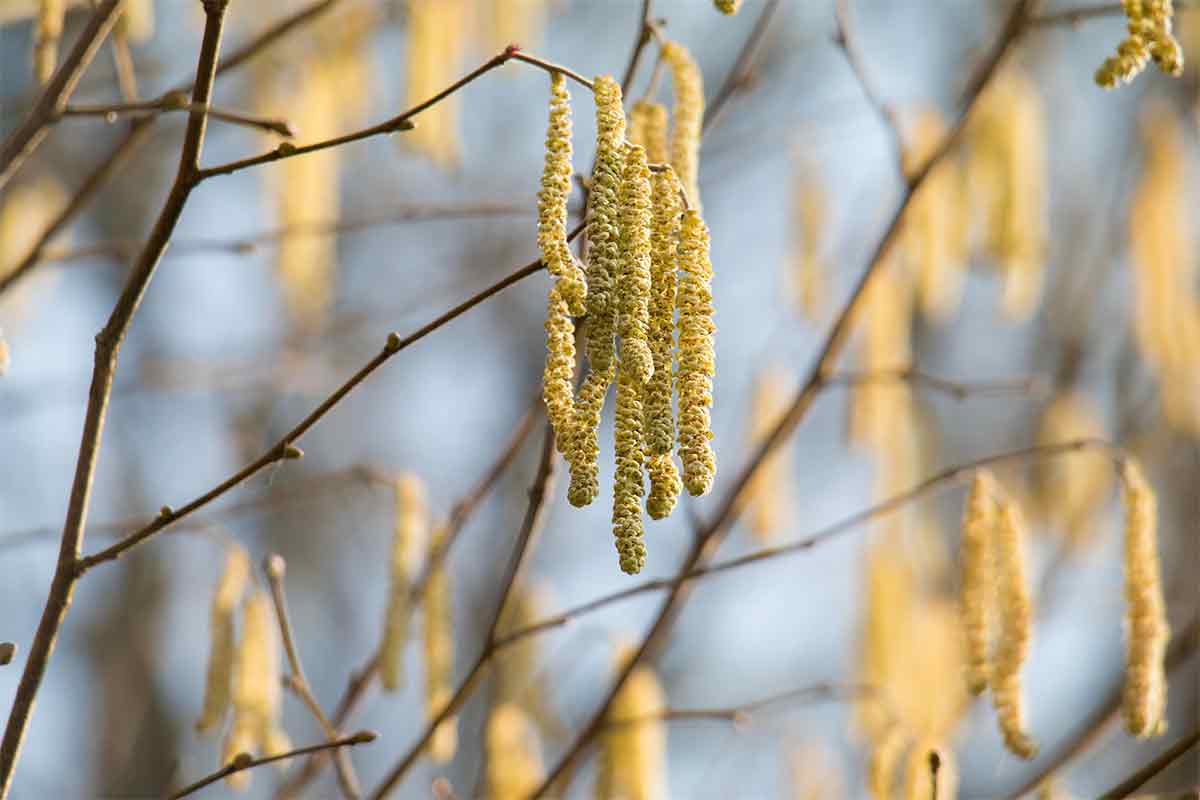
x=108 y=344
x=1143 y=776
x=243 y=761
x=711 y=535
x=959 y=390
x=25 y=139
x=170 y=103
x=275 y=567
x=742 y=67
x=1077 y=15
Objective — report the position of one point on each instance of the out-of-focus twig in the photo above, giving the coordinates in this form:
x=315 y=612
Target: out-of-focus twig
x=170 y=103
x=1075 y=16
x=846 y=38
x=959 y=390
x=1143 y=776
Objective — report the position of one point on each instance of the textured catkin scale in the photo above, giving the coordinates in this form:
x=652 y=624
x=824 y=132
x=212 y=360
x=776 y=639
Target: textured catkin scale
x=1149 y=23
x=219 y=681
x=688 y=117
x=665 y=486
x=1146 y=630
x=514 y=760
x=604 y=260
x=633 y=280
x=664 y=286
x=552 y=201
x=439 y=657
x=47 y=32
x=410 y=537
x=697 y=360
x=1016 y=625
x=557 y=389
x=628 y=485
x=633 y=754
x=978 y=578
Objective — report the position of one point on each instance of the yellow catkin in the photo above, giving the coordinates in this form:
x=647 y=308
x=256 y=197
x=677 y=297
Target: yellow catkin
x=807 y=273
x=137 y=20
x=697 y=359
x=434 y=53
x=439 y=657
x=729 y=7
x=518 y=667
x=514 y=760
x=1007 y=175
x=410 y=537
x=1163 y=247
x=1015 y=614
x=633 y=754
x=1146 y=630
x=688 y=118
x=552 y=200
x=665 y=483
x=886 y=347
x=628 y=486
x=1070 y=491
x=256 y=685
x=934 y=233
x=47 y=32
x=559 y=373
x=226 y=598
x=769 y=493
x=633 y=280
x=604 y=263
x=919 y=773
x=978 y=577
x=1149 y=25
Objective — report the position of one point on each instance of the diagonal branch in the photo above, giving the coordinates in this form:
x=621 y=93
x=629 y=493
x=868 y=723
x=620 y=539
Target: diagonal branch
x=1143 y=776
x=170 y=103
x=25 y=139
x=711 y=535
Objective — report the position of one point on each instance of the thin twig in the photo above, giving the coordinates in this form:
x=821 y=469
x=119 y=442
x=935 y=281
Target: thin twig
x=29 y=134
x=362 y=679
x=1093 y=727
x=743 y=66
x=847 y=39
x=1143 y=776
x=401 y=122
x=277 y=452
x=171 y=103
x=640 y=40
x=140 y=128
x=959 y=390
x=709 y=538
x=108 y=345
x=740 y=715
x=535 y=515
x=275 y=568
x=1075 y=16
x=243 y=761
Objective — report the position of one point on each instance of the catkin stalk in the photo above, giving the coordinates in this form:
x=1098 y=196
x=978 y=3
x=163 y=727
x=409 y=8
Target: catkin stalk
x=219 y=681
x=1146 y=630
x=557 y=377
x=1016 y=624
x=409 y=539
x=697 y=359
x=628 y=485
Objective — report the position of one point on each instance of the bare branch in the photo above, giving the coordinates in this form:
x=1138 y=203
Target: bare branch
x=1127 y=787
x=25 y=139
x=275 y=568
x=243 y=761
x=1074 y=17
x=959 y=390
x=173 y=102
x=847 y=39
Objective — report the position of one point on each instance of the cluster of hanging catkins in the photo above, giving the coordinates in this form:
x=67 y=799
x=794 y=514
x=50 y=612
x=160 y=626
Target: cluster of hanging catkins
x=647 y=277
x=997 y=609
x=243 y=674
x=1149 y=23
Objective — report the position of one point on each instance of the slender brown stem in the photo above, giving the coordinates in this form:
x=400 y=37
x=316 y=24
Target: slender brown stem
x=552 y=68
x=363 y=679
x=275 y=568
x=277 y=452
x=959 y=390
x=140 y=127
x=169 y=104
x=535 y=515
x=239 y=763
x=1143 y=776
x=29 y=134
x=710 y=536
x=740 y=714
x=847 y=39
x=641 y=39
x=743 y=66
x=108 y=344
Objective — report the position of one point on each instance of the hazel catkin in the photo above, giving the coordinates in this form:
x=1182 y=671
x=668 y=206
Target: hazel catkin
x=633 y=280
x=628 y=485
x=552 y=200
x=219 y=681
x=697 y=359
x=557 y=388
x=1016 y=624
x=409 y=539
x=1149 y=23
x=688 y=115
x=978 y=577
x=1144 y=699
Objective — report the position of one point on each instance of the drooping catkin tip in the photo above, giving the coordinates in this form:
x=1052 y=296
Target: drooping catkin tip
x=665 y=486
